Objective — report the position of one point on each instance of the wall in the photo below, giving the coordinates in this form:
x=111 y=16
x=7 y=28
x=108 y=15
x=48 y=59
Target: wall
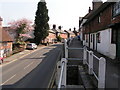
x=50 y=38
x=63 y=35
x=105 y=20
x=105 y=47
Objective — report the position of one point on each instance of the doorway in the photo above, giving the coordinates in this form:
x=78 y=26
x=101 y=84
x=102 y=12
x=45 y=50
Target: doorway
x=118 y=43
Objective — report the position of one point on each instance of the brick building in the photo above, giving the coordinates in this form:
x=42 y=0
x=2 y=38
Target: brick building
x=5 y=42
x=101 y=30
x=50 y=38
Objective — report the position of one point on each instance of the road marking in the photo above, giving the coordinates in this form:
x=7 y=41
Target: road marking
x=8 y=79
x=28 y=65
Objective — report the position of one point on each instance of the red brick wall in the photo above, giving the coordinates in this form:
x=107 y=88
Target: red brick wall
x=116 y=19
x=63 y=35
x=106 y=17
x=49 y=38
x=51 y=35
x=8 y=46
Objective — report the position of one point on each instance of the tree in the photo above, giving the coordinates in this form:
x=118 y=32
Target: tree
x=41 y=22
x=21 y=27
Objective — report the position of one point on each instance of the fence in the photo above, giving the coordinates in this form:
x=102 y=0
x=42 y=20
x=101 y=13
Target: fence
x=87 y=59
x=101 y=67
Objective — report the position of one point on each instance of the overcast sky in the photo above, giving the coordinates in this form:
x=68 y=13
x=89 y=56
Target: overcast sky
x=61 y=12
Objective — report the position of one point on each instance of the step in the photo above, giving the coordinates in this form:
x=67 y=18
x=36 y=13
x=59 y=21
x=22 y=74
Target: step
x=87 y=83
x=71 y=87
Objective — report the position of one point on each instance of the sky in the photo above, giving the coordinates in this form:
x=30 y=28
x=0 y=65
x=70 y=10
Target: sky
x=63 y=13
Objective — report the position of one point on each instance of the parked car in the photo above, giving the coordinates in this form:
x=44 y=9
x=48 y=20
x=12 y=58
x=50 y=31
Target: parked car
x=1 y=60
x=31 y=46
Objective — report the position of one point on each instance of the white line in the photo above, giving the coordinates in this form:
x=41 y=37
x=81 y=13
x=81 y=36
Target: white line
x=28 y=65
x=9 y=79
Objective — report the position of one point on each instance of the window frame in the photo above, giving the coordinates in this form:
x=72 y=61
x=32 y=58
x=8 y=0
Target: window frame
x=98 y=37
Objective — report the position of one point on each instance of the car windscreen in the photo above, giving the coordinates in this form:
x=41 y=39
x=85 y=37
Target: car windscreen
x=29 y=44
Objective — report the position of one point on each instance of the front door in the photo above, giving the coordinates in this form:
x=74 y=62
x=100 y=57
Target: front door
x=118 y=43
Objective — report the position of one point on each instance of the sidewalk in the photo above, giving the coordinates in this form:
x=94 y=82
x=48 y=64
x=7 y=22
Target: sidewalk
x=112 y=67
x=20 y=55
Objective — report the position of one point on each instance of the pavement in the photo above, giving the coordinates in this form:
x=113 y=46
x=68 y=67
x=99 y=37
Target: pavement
x=112 y=66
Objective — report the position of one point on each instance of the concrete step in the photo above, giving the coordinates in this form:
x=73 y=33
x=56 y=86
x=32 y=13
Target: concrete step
x=71 y=87
x=87 y=83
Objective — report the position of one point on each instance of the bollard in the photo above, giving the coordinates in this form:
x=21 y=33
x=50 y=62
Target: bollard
x=85 y=55
x=90 y=62
x=101 y=75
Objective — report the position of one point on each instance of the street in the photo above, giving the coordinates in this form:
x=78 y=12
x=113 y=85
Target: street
x=32 y=71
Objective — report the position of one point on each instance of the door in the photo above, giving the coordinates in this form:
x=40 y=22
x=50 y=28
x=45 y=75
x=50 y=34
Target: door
x=118 y=43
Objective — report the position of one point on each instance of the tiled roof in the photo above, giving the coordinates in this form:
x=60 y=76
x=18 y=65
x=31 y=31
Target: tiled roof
x=88 y=14
x=96 y=12
x=6 y=36
x=70 y=32
x=51 y=31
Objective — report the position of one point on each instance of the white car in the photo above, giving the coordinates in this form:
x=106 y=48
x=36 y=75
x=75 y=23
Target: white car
x=31 y=46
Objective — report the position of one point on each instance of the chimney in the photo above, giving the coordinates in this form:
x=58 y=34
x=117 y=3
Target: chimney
x=96 y=4
x=1 y=22
x=89 y=9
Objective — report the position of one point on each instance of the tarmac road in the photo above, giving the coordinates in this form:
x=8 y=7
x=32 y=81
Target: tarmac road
x=32 y=71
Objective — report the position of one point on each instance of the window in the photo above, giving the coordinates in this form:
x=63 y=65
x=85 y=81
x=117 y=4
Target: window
x=116 y=9
x=91 y=38
x=98 y=38
x=4 y=43
x=83 y=36
x=113 y=38
x=99 y=19
x=87 y=38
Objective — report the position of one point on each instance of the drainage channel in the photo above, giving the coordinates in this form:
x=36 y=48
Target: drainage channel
x=77 y=76
x=73 y=78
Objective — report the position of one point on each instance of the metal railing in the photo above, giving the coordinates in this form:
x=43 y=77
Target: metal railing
x=62 y=73
x=69 y=48
x=101 y=68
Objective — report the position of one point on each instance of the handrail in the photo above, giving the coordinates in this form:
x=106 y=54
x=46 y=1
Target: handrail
x=101 y=68
x=75 y=48
x=61 y=75
x=96 y=57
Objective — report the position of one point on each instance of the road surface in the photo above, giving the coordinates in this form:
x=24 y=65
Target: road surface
x=32 y=71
